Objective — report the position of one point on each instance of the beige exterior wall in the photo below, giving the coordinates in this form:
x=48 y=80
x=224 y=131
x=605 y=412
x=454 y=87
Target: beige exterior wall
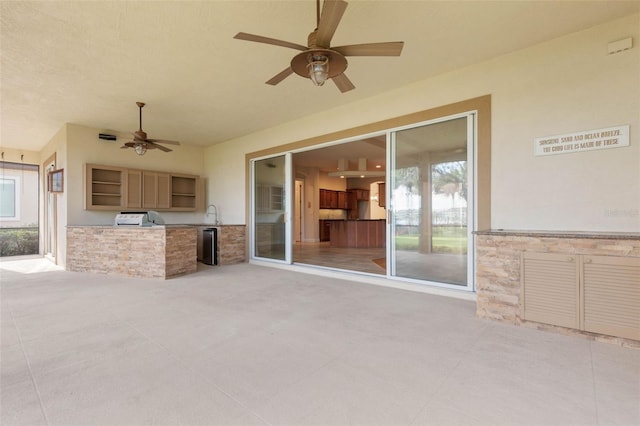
x=57 y=146
x=85 y=147
x=566 y=85
x=76 y=145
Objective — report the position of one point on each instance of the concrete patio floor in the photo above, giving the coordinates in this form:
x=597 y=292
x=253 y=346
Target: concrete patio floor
x=252 y=345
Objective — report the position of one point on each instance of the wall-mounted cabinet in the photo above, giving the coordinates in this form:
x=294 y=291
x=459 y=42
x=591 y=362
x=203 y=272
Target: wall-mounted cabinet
x=115 y=188
x=330 y=199
x=156 y=190
x=382 y=195
x=105 y=187
x=134 y=189
x=269 y=198
x=184 y=192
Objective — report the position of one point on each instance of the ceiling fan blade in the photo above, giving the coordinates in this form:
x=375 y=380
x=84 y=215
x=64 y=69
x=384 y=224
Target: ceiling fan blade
x=152 y=145
x=332 y=11
x=280 y=76
x=343 y=83
x=392 y=48
x=163 y=141
x=267 y=40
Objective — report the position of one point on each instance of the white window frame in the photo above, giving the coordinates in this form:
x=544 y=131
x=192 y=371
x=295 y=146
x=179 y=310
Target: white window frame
x=16 y=199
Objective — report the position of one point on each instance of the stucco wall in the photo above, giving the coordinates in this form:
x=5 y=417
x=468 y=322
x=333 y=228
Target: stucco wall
x=57 y=146
x=566 y=85
x=85 y=147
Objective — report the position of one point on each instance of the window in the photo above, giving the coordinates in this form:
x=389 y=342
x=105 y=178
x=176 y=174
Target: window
x=9 y=202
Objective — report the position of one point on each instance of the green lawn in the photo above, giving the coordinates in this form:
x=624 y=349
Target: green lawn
x=445 y=240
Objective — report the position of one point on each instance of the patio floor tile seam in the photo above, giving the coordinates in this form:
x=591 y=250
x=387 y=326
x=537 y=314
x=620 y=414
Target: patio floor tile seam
x=26 y=358
x=189 y=367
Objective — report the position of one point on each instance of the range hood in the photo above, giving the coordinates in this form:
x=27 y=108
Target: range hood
x=362 y=171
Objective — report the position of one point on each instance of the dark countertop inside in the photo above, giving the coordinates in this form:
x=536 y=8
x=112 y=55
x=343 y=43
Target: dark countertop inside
x=351 y=220
x=561 y=234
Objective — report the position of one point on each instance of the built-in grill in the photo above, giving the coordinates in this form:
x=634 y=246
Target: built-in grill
x=149 y=218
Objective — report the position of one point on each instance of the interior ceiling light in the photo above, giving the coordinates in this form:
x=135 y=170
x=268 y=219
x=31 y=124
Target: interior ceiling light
x=362 y=171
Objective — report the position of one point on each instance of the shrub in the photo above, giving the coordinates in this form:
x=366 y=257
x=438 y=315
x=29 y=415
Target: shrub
x=18 y=241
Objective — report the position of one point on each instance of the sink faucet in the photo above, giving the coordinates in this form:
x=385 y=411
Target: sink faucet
x=215 y=212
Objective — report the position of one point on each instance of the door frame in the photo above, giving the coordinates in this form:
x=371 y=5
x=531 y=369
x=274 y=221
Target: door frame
x=472 y=211
x=288 y=189
x=50 y=213
x=482 y=173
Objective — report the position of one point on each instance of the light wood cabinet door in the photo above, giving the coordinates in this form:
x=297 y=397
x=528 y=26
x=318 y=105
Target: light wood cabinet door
x=149 y=190
x=551 y=289
x=164 y=191
x=156 y=190
x=116 y=188
x=134 y=189
x=611 y=290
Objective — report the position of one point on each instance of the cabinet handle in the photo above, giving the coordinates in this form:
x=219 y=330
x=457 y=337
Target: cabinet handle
x=588 y=260
x=570 y=259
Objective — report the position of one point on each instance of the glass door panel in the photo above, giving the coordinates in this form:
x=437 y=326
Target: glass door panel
x=269 y=202
x=429 y=202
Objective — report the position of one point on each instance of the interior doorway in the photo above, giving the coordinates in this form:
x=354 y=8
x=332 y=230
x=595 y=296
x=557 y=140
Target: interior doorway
x=398 y=204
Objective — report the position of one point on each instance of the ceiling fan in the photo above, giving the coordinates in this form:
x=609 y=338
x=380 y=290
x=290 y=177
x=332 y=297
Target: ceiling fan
x=318 y=60
x=140 y=142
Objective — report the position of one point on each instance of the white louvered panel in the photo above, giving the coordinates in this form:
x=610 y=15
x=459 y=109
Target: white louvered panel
x=612 y=295
x=550 y=289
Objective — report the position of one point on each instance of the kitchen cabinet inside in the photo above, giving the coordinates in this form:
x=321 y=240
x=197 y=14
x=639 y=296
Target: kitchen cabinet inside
x=330 y=199
x=325 y=230
x=105 y=187
x=360 y=194
x=382 y=195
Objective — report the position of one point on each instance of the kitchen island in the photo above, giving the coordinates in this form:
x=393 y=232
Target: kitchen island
x=147 y=252
x=358 y=233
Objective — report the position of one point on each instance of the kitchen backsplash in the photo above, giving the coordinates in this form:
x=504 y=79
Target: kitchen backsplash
x=330 y=214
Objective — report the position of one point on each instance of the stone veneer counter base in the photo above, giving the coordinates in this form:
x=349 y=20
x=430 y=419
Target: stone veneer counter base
x=499 y=254
x=146 y=252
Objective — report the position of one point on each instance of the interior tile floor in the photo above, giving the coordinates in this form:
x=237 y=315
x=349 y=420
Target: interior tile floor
x=437 y=267
x=351 y=259
x=252 y=345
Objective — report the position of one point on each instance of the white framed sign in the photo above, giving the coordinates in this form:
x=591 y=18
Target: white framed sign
x=588 y=140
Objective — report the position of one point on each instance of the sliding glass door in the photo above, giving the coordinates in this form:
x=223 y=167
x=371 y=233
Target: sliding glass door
x=270 y=208
x=431 y=209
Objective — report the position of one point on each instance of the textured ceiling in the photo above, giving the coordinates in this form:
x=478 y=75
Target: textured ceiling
x=88 y=62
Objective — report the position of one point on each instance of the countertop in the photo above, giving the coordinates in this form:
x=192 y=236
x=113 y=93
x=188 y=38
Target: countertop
x=351 y=220
x=561 y=234
x=168 y=225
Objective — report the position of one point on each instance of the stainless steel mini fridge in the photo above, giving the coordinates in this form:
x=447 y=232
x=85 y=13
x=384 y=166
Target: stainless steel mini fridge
x=210 y=246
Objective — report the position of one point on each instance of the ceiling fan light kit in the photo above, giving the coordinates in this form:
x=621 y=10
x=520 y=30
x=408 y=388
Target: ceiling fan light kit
x=318 y=69
x=318 y=61
x=141 y=144
x=140 y=149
